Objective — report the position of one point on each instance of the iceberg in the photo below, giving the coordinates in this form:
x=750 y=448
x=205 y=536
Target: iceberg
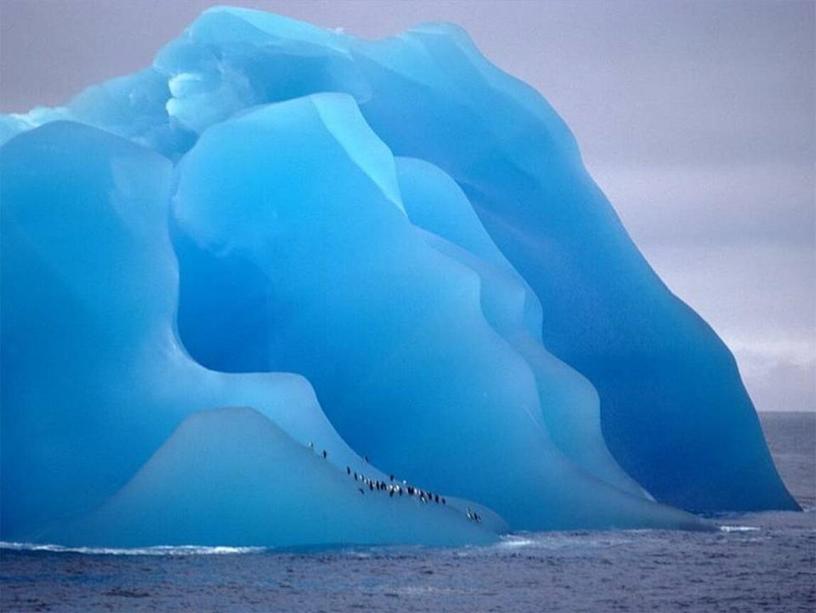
x=283 y=264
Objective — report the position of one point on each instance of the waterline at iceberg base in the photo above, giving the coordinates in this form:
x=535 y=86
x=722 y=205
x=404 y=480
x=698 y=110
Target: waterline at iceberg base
x=288 y=288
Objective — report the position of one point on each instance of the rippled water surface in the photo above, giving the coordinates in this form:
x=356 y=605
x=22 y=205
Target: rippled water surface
x=756 y=562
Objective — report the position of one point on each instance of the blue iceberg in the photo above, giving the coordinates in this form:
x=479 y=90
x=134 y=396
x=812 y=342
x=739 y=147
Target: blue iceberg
x=286 y=287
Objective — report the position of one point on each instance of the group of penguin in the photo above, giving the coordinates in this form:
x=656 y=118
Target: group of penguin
x=398 y=489
x=392 y=488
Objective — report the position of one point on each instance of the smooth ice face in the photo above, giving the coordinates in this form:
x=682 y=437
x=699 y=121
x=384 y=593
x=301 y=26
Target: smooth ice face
x=397 y=221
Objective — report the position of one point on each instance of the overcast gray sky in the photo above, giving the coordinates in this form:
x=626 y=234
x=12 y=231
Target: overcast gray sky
x=697 y=118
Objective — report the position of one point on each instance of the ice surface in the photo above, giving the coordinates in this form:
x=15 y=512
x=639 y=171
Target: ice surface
x=407 y=230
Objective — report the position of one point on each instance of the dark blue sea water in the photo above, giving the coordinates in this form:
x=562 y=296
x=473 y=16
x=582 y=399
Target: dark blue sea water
x=756 y=562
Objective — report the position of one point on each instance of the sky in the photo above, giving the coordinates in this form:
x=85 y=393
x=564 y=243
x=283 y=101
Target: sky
x=696 y=118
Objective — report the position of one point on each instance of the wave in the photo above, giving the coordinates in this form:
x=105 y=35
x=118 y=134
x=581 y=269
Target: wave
x=547 y=540
x=739 y=528
x=159 y=550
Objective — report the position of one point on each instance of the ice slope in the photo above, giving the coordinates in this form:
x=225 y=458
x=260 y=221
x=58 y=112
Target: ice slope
x=95 y=380
x=232 y=476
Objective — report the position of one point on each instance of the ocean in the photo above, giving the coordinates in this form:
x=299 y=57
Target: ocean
x=755 y=562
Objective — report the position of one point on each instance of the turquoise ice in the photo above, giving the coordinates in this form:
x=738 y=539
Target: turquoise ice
x=279 y=237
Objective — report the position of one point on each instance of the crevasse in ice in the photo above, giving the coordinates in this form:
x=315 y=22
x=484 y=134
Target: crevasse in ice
x=279 y=240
